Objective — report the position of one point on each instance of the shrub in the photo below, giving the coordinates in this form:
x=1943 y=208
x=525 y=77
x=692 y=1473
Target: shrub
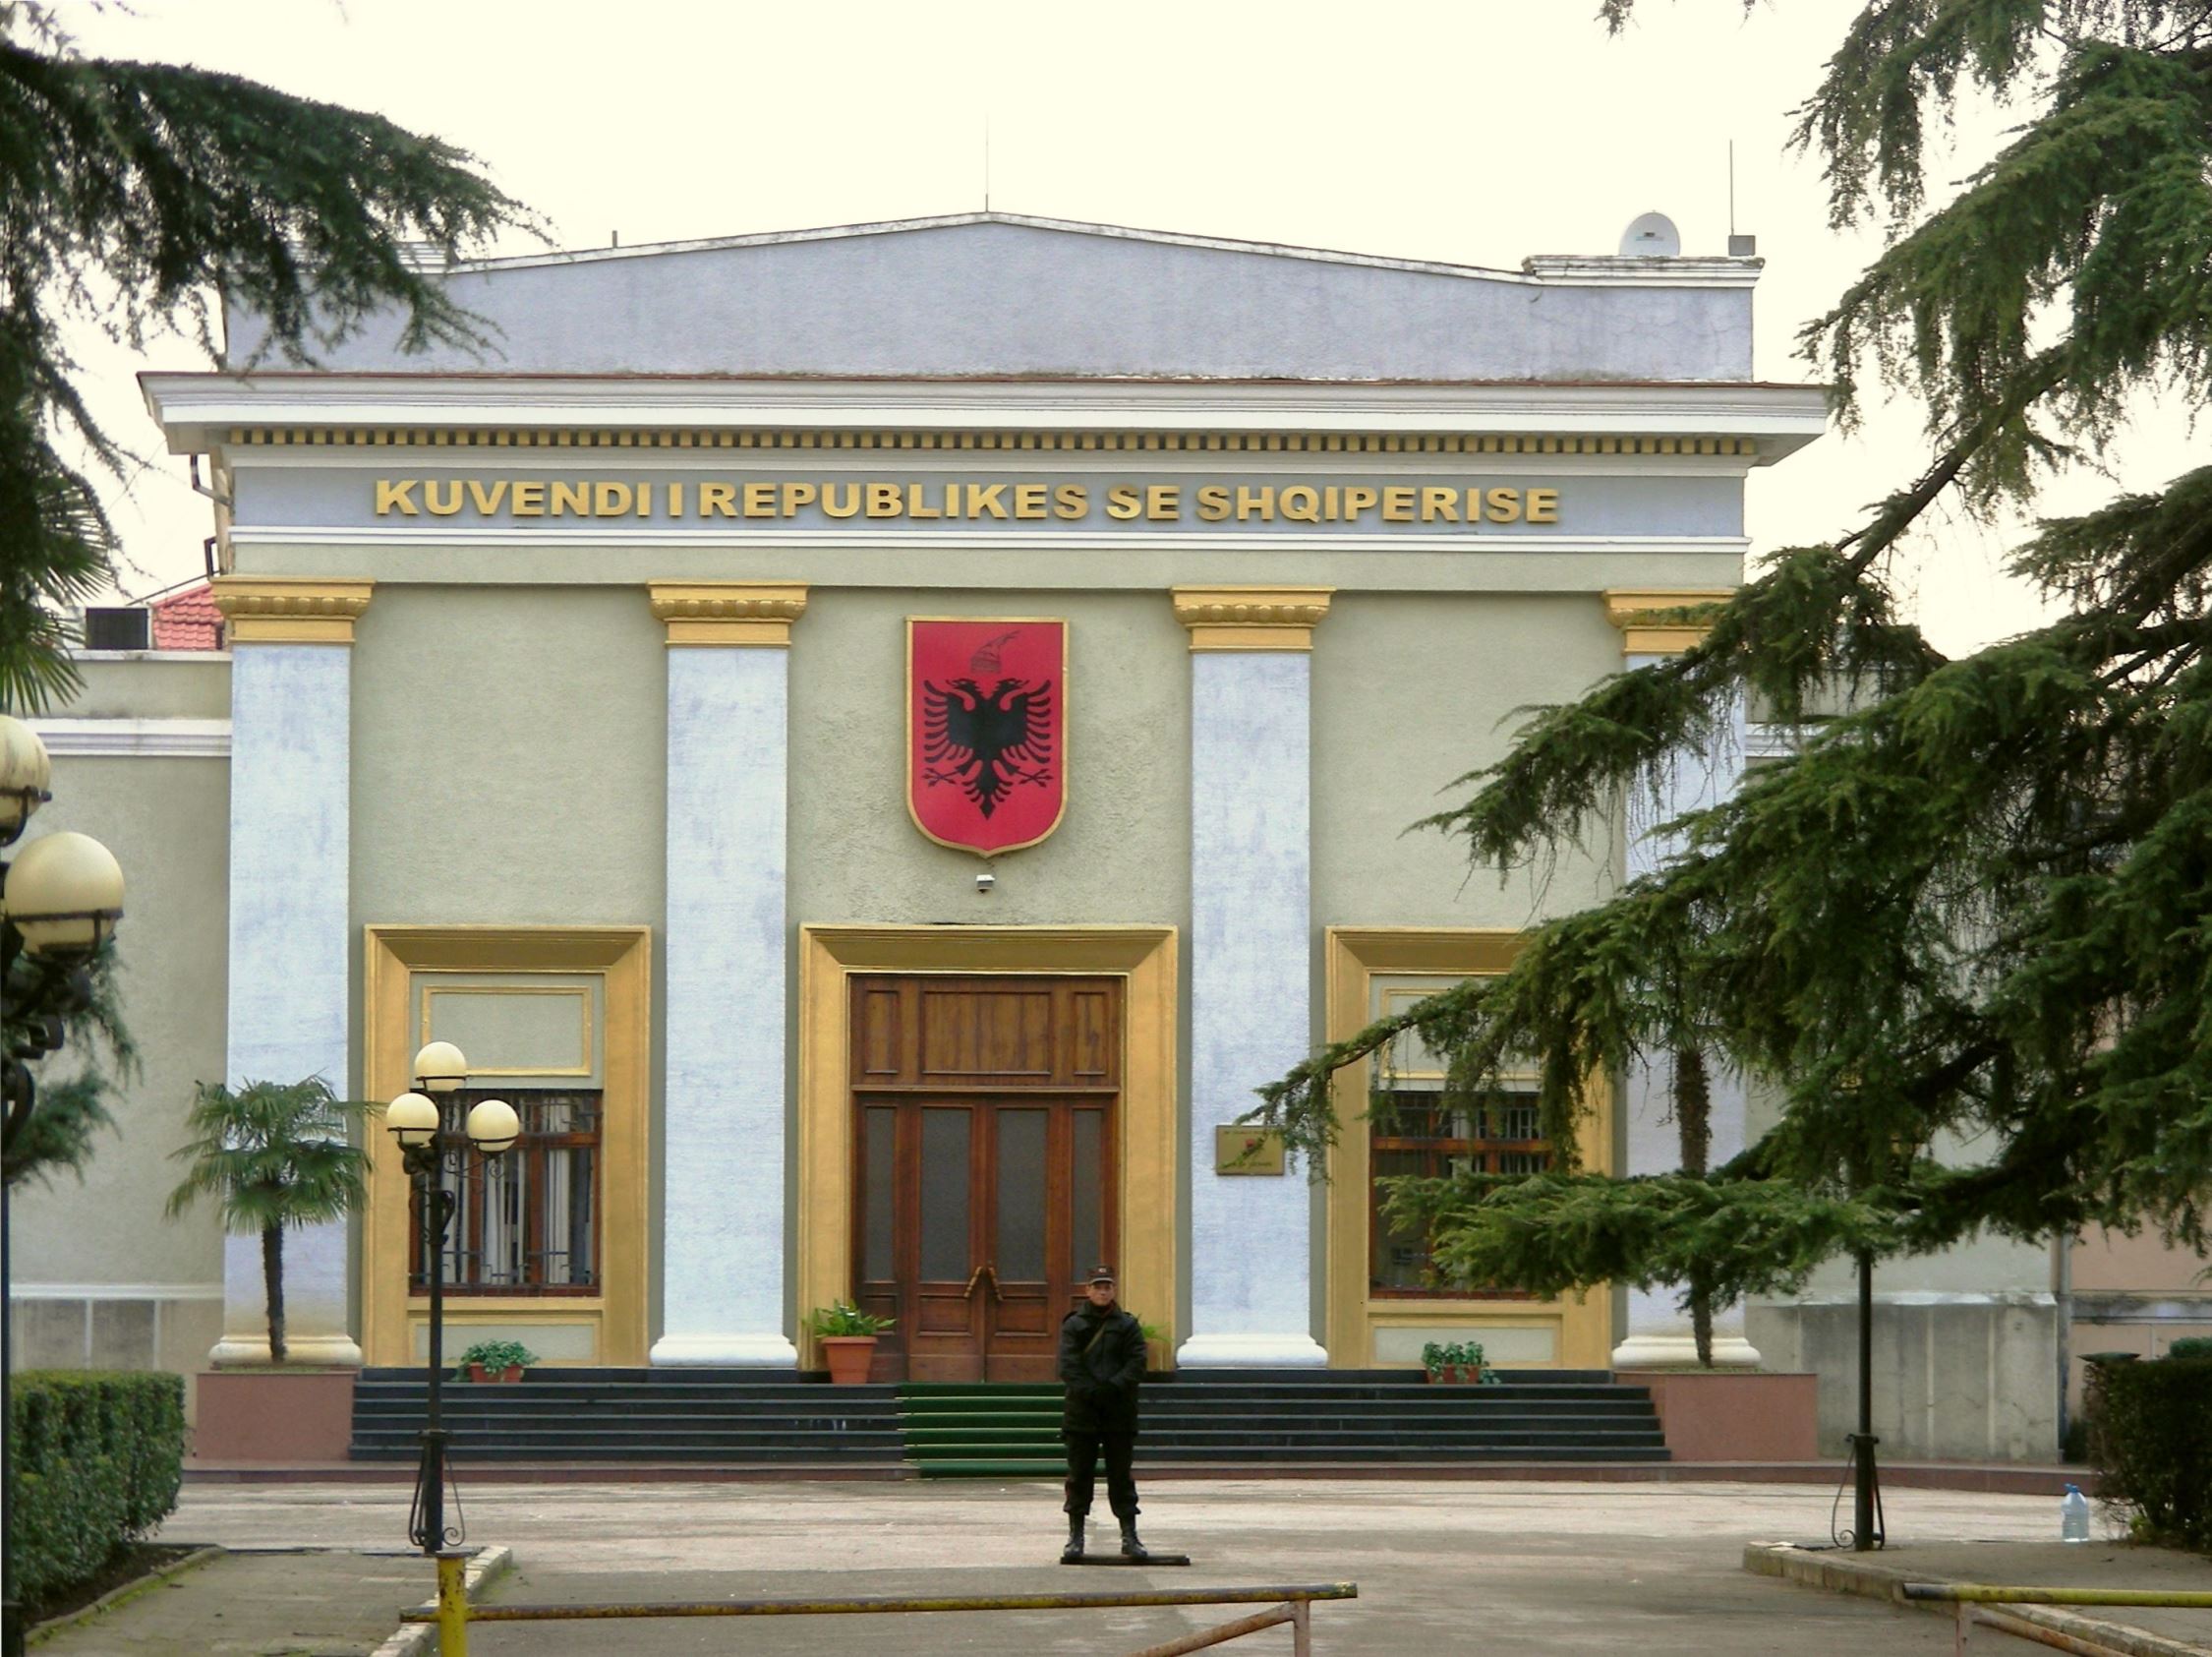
x=2150 y=1435
x=98 y=1459
x=2191 y=1346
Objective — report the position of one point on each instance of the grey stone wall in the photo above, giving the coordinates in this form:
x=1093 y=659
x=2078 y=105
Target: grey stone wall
x=1956 y=1377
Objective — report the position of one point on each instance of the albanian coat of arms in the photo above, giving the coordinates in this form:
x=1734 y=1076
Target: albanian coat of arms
x=986 y=731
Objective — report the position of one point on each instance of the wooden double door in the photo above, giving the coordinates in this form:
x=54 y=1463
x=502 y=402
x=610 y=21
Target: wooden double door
x=984 y=1165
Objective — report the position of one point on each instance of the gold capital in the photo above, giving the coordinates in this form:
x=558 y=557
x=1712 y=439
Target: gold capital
x=1252 y=618
x=1653 y=620
x=756 y=613
x=291 y=610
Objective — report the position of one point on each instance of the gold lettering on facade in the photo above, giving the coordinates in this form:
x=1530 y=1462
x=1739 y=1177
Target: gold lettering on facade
x=1365 y=504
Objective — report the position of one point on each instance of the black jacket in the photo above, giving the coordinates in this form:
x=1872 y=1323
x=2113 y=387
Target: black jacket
x=1101 y=1364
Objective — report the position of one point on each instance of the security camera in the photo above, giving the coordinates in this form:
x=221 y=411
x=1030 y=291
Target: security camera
x=985 y=882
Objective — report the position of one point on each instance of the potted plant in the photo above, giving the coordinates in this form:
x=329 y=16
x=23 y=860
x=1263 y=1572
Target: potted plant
x=1459 y=1362
x=1434 y=1361
x=495 y=1360
x=1467 y=1358
x=848 y=1339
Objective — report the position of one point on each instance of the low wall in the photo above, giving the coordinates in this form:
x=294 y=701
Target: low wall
x=1724 y=1415
x=1964 y=1379
x=273 y=1415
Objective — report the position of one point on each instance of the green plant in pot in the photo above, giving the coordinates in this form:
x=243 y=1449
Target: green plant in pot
x=847 y=1338
x=1453 y=1361
x=495 y=1360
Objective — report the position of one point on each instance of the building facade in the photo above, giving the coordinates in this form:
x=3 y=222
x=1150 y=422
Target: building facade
x=620 y=703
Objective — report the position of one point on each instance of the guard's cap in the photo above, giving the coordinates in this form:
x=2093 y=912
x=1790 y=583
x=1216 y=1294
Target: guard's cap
x=1101 y=1274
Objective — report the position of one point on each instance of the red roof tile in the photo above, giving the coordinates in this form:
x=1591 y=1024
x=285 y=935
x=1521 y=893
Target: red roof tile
x=188 y=621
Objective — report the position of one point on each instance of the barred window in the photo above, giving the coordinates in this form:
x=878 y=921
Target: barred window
x=1418 y=1132
x=525 y=1222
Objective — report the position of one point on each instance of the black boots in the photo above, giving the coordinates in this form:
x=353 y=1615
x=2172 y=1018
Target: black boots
x=1073 y=1552
x=1131 y=1548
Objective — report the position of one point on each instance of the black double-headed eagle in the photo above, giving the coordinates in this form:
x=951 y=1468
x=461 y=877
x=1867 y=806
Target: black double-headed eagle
x=984 y=742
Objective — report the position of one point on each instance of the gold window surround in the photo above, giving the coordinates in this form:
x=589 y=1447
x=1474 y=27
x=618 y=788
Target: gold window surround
x=1649 y=619
x=398 y=959
x=1143 y=957
x=727 y=613
x=291 y=610
x=1242 y=618
x=1580 y=1327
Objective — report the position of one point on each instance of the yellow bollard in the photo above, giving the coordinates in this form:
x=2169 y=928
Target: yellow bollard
x=453 y=1605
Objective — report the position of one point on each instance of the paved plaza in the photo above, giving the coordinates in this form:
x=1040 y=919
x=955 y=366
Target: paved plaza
x=1651 y=1568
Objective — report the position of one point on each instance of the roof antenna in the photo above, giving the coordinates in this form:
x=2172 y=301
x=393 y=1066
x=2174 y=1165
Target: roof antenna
x=986 y=160
x=1739 y=247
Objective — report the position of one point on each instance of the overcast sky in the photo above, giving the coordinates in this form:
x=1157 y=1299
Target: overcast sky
x=1473 y=131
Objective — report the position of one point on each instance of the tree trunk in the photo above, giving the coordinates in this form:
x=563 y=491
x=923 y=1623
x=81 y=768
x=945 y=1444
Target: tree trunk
x=272 y=1283
x=1693 y=1122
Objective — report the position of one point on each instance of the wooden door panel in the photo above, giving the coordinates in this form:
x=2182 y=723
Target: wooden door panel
x=1001 y=1033
x=998 y=1098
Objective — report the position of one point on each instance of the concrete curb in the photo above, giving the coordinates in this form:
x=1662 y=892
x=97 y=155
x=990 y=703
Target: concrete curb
x=1852 y=1574
x=414 y=1639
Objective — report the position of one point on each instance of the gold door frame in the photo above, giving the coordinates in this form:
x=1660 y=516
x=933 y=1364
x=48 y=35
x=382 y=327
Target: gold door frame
x=1143 y=957
x=1582 y=1325
x=621 y=956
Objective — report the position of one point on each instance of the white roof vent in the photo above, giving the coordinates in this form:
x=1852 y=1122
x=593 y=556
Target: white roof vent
x=1651 y=236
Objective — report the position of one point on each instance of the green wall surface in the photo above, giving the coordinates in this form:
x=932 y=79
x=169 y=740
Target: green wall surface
x=166 y=820
x=1410 y=692
x=1122 y=852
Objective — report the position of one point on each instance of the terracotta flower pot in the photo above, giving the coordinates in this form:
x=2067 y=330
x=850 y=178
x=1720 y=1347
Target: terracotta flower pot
x=849 y=1357
x=477 y=1372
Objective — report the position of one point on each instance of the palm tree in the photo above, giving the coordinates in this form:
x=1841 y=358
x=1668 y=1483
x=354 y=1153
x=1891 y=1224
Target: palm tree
x=272 y=1154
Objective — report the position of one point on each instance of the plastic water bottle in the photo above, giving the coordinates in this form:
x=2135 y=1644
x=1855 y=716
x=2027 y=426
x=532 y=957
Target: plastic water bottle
x=2073 y=1515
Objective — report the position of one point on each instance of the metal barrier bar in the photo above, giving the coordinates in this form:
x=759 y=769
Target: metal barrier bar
x=1997 y=1617
x=1983 y=1593
x=863 y=1605
x=1225 y=1633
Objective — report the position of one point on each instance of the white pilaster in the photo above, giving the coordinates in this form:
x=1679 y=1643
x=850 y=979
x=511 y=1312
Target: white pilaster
x=1251 y=1236
x=290 y=922
x=1660 y=1333
x=722 y=1299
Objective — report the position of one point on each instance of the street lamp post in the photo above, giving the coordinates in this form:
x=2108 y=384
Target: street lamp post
x=427 y=1147
x=63 y=896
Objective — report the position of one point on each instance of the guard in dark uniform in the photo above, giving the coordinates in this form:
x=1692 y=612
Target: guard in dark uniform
x=1101 y=1365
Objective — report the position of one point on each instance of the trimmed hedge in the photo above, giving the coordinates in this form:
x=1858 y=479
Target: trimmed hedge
x=98 y=1459
x=2150 y=1434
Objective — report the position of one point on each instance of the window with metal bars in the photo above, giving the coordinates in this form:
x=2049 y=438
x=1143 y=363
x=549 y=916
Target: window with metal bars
x=1416 y=1131
x=525 y=1222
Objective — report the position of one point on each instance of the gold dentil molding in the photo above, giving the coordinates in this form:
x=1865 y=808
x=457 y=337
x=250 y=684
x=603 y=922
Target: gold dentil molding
x=758 y=613
x=291 y=610
x=1256 y=443
x=1252 y=618
x=1649 y=621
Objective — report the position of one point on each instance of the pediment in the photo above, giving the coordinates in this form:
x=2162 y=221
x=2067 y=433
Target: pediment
x=1001 y=296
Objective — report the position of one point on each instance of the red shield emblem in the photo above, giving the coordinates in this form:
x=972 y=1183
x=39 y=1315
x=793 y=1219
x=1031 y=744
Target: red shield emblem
x=986 y=731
